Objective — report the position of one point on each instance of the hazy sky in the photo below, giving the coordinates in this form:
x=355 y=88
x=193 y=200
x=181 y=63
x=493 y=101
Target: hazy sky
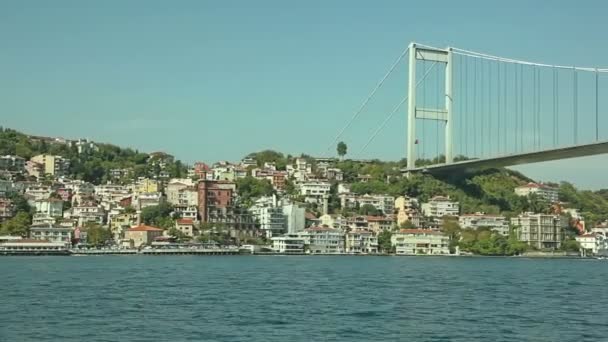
x=212 y=80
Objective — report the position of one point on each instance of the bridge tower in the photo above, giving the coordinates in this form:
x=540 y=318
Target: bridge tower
x=440 y=114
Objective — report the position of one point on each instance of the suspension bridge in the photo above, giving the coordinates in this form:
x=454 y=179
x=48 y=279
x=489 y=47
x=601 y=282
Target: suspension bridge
x=468 y=110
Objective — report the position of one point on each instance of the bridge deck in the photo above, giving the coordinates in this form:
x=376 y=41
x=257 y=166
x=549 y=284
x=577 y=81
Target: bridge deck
x=582 y=150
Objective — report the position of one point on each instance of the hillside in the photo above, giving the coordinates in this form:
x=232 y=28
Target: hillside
x=489 y=191
x=93 y=166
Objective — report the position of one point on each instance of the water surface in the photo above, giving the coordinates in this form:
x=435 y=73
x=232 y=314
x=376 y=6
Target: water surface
x=299 y=298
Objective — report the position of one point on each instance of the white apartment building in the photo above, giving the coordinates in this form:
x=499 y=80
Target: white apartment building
x=87 y=213
x=51 y=207
x=315 y=188
x=333 y=221
x=479 y=220
x=384 y=203
x=148 y=199
x=182 y=192
x=361 y=241
x=593 y=244
x=288 y=244
x=38 y=192
x=10 y=162
x=539 y=230
x=322 y=240
x=272 y=220
x=296 y=218
x=548 y=193
x=52 y=233
x=440 y=206
x=420 y=242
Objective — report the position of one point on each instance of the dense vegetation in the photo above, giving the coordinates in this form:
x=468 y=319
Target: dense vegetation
x=92 y=166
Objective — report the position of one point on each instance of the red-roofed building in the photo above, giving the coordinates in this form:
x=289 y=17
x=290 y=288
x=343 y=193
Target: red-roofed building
x=142 y=234
x=544 y=191
x=186 y=226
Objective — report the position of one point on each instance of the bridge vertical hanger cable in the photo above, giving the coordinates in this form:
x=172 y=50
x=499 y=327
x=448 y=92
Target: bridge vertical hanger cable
x=466 y=108
x=506 y=116
x=498 y=102
x=554 y=107
x=423 y=135
x=557 y=106
x=482 y=106
x=437 y=122
x=475 y=108
x=538 y=110
x=461 y=99
x=490 y=135
x=369 y=97
x=521 y=111
x=533 y=116
x=575 y=105
x=516 y=112
x=597 y=105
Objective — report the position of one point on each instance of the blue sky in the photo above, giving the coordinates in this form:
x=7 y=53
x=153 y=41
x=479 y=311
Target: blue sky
x=213 y=80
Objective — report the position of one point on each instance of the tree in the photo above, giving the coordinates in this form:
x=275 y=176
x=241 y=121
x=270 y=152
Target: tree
x=368 y=209
x=250 y=188
x=384 y=241
x=178 y=234
x=451 y=228
x=97 y=235
x=153 y=215
x=407 y=225
x=18 y=225
x=342 y=149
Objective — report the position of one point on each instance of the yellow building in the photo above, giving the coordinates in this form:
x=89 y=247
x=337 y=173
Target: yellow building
x=120 y=223
x=146 y=185
x=52 y=165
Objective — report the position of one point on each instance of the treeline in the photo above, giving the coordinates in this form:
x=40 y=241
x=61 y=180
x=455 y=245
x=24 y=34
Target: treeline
x=95 y=164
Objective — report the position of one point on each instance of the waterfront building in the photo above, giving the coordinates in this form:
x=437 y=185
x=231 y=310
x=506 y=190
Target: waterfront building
x=548 y=193
x=288 y=244
x=593 y=244
x=52 y=233
x=142 y=234
x=361 y=241
x=420 y=242
x=539 y=230
x=496 y=223
x=32 y=246
x=440 y=206
x=323 y=240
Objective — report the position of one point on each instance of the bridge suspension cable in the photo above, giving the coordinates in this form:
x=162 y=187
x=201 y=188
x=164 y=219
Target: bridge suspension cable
x=369 y=97
x=387 y=119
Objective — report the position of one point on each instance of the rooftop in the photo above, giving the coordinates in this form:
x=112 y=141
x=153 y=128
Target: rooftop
x=144 y=228
x=419 y=231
